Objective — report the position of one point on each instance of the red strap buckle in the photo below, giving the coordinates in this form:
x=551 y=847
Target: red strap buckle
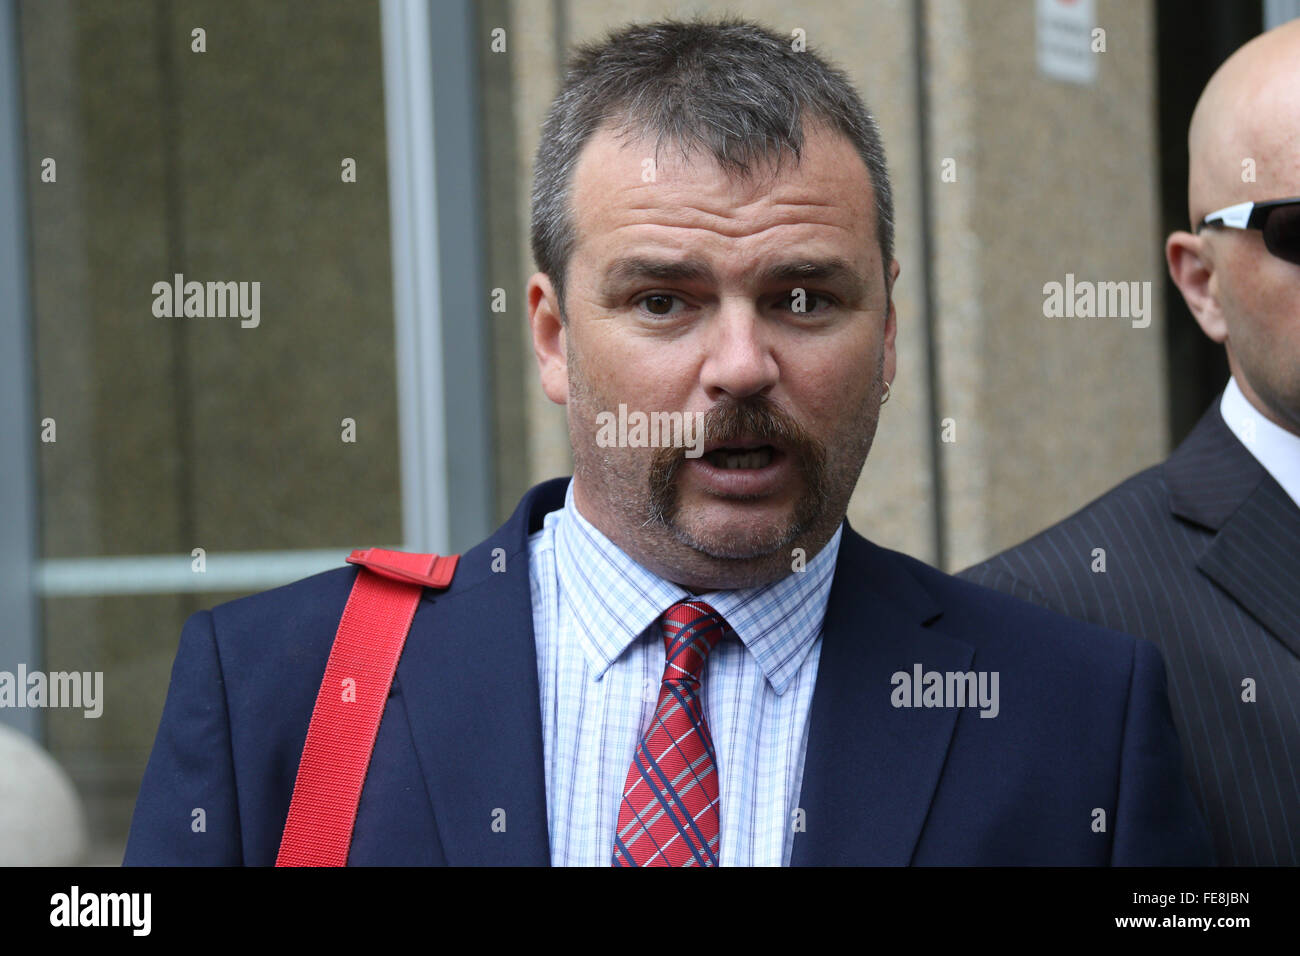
x=429 y=570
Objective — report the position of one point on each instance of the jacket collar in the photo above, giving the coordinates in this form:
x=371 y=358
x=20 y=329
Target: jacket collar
x=1211 y=473
x=1215 y=482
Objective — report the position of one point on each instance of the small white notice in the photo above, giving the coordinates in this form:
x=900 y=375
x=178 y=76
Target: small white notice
x=1064 y=40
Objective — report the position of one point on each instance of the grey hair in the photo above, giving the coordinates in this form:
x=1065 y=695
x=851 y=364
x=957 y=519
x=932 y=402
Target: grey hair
x=730 y=87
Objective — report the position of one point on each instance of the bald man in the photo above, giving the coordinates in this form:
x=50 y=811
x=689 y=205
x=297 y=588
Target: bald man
x=1202 y=552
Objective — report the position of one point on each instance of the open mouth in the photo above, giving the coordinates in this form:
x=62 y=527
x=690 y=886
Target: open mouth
x=741 y=458
x=743 y=468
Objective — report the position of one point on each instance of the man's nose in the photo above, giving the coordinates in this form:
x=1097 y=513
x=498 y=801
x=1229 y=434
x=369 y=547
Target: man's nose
x=738 y=358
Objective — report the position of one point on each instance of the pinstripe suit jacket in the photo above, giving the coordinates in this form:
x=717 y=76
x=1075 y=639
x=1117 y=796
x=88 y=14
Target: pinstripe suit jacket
x=1202 y=556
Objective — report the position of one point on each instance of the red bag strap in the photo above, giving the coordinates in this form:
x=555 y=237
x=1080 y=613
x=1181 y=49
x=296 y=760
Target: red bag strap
x=351 y=700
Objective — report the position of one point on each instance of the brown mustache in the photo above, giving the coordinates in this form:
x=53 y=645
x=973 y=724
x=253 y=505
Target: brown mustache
x=757 y=418
x=760 y=419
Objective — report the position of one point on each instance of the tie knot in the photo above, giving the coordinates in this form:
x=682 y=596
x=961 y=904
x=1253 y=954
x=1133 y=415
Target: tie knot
x=691 y=630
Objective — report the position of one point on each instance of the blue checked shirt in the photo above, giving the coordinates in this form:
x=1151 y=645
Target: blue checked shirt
x=600 y=658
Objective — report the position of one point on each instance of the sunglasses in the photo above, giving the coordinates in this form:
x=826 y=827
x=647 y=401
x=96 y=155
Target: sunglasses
x=1279 y=219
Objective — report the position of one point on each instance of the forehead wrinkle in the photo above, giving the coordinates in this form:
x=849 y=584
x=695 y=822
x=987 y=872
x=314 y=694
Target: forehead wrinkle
x=719 y=224
x=728 y=242
x=728 y=202
x=726 y=197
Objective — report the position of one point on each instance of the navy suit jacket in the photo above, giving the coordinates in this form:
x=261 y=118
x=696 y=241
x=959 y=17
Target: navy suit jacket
x=1081 y=765
x=1203 y=558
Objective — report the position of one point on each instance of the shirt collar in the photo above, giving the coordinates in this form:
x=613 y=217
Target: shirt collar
x=1277 y=449
x=615 y=600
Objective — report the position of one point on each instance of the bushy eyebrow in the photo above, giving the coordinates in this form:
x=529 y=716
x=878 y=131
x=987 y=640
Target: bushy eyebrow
x=635 y=268
x=628 y=269
x=834 y=269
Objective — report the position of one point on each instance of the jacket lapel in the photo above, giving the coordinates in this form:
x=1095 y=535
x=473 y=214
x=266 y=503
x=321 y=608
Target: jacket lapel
x=1256 y=558
x=1215 y=482
x=871 y=769
x=470 y=662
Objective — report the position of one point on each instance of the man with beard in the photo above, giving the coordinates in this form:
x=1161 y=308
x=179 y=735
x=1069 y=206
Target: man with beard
x=693 y=660
x=1202 y=552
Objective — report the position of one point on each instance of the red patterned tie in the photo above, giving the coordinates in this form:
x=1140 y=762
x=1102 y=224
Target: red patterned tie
x=669 y=813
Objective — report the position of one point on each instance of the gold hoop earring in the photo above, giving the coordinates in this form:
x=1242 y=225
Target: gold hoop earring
x=886 y=398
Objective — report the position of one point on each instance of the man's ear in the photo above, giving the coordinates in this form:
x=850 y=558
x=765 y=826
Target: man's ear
x=1191 y=266
x=548 y=338
x=891 y=324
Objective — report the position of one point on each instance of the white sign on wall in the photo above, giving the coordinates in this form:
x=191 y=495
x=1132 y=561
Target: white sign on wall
x=1063 y=31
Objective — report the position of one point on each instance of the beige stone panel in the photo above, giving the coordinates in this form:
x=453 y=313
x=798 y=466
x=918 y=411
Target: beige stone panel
x=960 y=320
x=1062 y=180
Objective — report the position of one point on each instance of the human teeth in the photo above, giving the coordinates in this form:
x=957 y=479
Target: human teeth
x=759 y=458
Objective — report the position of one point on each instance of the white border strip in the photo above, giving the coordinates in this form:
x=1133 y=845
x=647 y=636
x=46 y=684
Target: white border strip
x=172 y=573
x=413 y=212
